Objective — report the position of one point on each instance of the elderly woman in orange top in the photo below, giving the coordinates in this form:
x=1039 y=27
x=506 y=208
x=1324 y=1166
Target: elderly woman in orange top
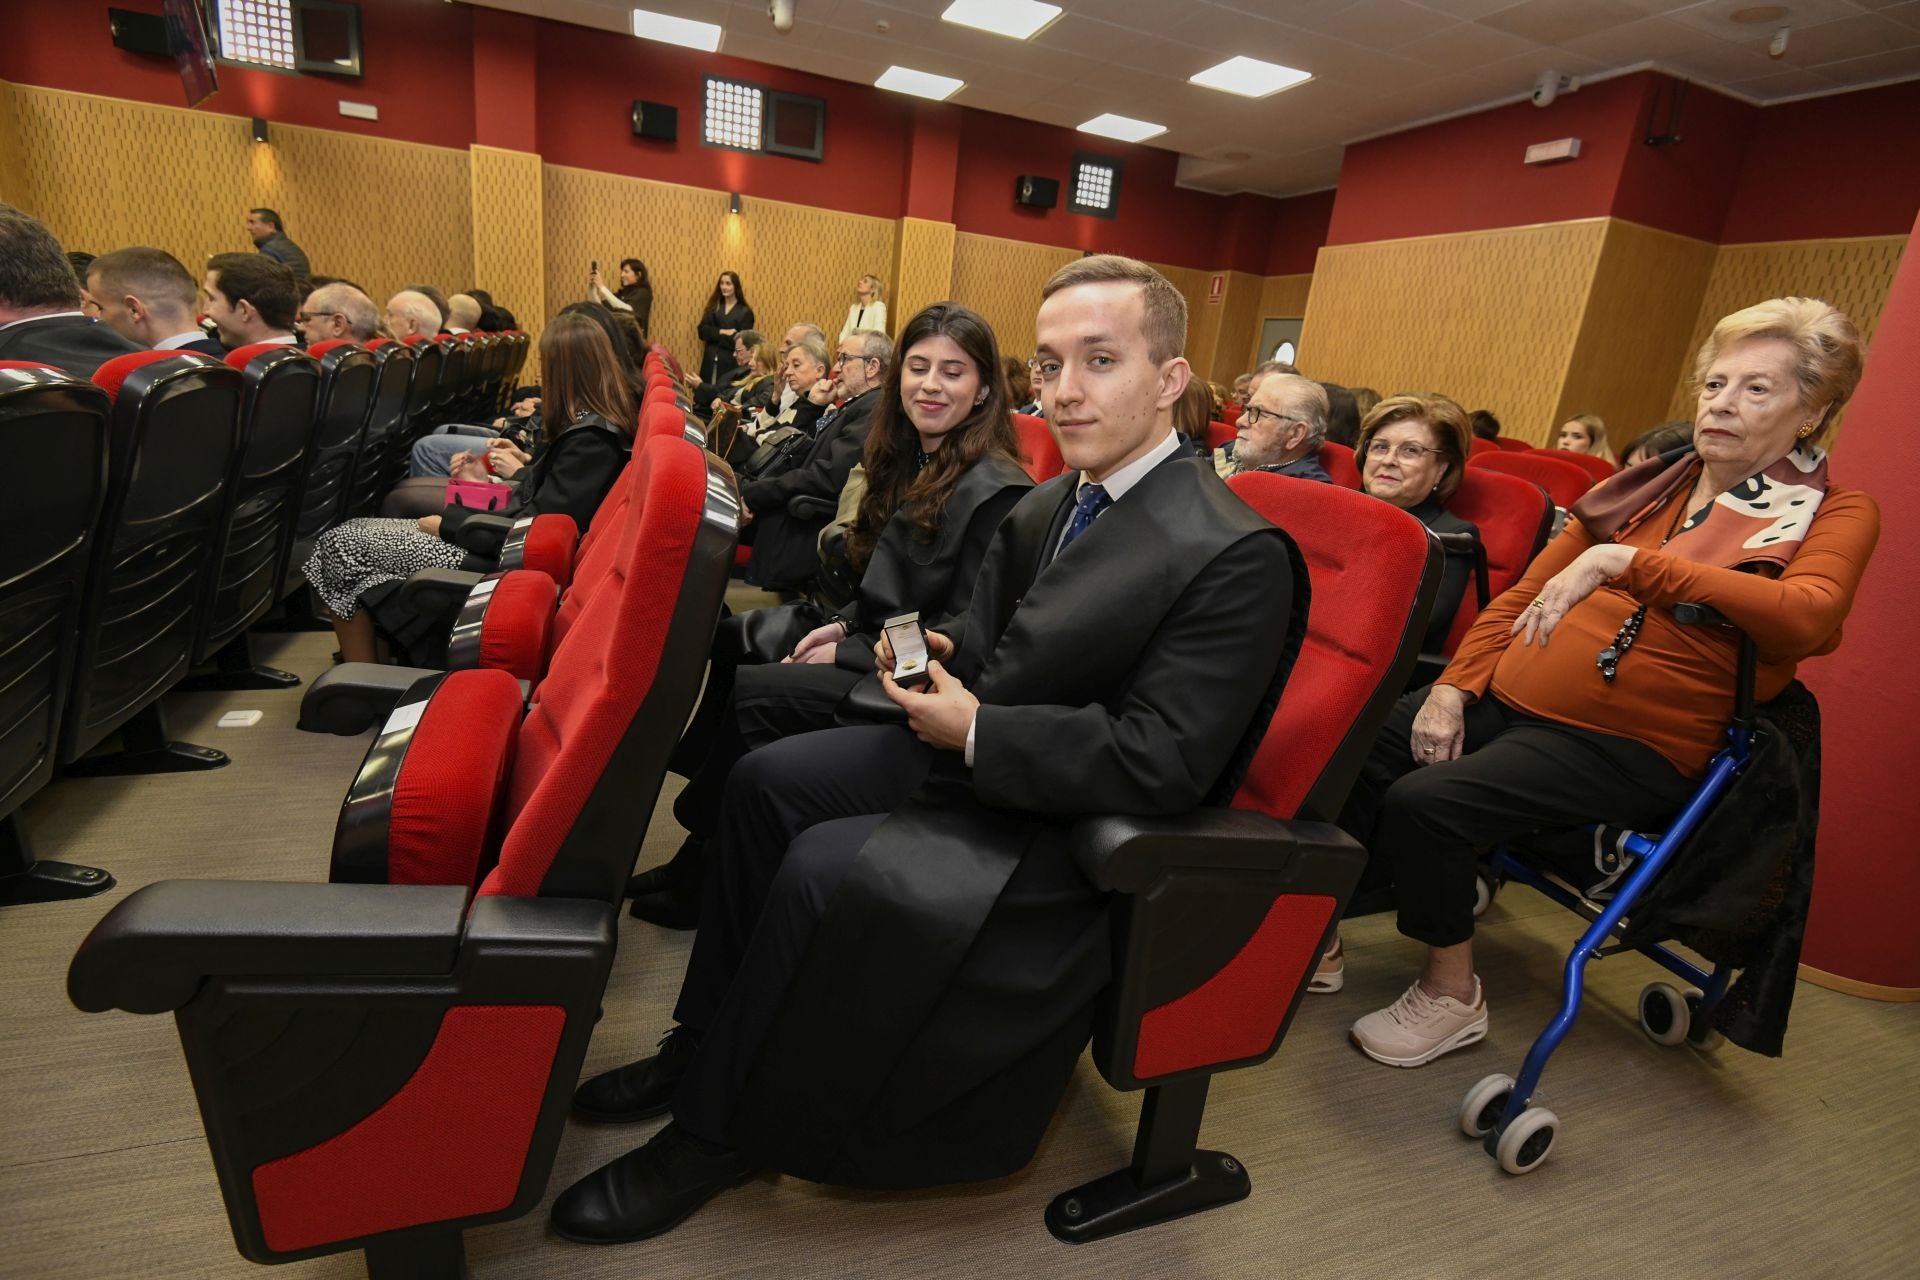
x=1577 y=696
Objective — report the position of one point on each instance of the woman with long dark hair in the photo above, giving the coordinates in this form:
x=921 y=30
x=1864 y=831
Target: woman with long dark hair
x=727 y=314
x=588 y=416
x=634 y=296
x=942 y=470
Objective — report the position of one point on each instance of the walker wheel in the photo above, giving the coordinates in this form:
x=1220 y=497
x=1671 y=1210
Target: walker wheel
x=1700 y=1031
x=1483 y=890
x=1664 y=1014
x=1480 y=1110
x=1525 y=1144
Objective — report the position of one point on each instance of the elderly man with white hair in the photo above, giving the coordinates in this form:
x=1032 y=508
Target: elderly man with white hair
x=410 y=313
x=463 y=313
x=335 y=311
x=1280 y=430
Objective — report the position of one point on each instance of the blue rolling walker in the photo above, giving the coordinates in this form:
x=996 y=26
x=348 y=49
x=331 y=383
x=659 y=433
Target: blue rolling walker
x=1499 y=1109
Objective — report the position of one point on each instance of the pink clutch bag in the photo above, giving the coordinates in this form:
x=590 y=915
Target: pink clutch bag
x=477 y=494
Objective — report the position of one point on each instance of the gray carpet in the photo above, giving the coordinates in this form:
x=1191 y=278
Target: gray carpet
x=1670 y=1162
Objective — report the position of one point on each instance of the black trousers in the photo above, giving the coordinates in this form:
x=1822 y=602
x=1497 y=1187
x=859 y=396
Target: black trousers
x=1519 y=775
x=796 y=815
x=761 y=704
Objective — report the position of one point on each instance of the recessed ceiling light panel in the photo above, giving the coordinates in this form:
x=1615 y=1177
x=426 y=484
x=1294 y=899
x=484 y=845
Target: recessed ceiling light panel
x=1250 y=77
x=921 y=84
x=1021 y=19
x=1122 y=127
x=667 y=29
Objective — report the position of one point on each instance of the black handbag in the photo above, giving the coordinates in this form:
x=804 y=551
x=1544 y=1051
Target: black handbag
x=767 y=635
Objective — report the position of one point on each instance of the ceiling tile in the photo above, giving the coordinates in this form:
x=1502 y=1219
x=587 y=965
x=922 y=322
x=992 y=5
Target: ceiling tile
x=1119 y=46
x=1557 y=21
x=1854 y=37
x=1648 y=40
x=1378 y=24
x=1782 y=84
x=1896 y=64
x=1907 y=13
x=1467 y=10
x=1713 y=17
x=1465 y=45
x=1723 y=63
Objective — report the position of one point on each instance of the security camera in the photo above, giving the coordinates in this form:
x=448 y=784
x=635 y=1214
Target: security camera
x=1549 y=85
x=781 y=11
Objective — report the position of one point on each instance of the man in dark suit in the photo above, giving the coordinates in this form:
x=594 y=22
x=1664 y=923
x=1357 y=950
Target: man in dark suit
x=1281 y=429
x=148 y=298
x=269 y=236
x=898 y=960
x=790 y=508
x=40 y=304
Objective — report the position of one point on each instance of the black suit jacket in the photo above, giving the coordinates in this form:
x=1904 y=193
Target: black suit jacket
x=950 y=984
x=785 y=542
x=1456 y=571
x=204 y=347
x=74 y=343
x=569 y=476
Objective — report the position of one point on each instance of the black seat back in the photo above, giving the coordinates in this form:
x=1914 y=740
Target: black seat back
x=279 y=390
x=175 y=427
x=54 y=426
x=340 y=419
x=385 y=431
x=429 y=365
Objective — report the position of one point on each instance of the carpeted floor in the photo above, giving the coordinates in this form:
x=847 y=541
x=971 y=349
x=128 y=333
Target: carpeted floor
x=1670 y=1163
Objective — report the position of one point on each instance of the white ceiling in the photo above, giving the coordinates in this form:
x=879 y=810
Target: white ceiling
x=1378 y=65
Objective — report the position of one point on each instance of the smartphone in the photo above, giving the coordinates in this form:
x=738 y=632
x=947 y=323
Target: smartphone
x=909 y=650
x=594 y=266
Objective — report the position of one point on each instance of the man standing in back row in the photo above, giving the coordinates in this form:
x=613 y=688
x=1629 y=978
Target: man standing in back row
x=269 y=236
x=898 y=959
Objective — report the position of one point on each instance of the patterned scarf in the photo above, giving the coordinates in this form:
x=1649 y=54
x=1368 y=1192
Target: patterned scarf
x=1759 y=522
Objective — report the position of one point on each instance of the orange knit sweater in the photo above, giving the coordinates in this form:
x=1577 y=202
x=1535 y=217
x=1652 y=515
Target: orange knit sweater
x=1674 y=689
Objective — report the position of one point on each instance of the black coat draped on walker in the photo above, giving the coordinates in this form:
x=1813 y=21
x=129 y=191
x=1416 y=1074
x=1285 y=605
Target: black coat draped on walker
x=933 y=1023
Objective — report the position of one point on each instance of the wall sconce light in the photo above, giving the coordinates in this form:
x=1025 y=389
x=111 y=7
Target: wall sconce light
x=733 y=202
x=259 y=129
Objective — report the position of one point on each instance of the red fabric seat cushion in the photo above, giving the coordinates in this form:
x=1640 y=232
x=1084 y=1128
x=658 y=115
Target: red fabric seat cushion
x=515 y=632
x=320 y=349
x=1039 y=451
x=1337 y=461
x=549 y=547
x=109 y=376
x=240 y=357
x=449 y=786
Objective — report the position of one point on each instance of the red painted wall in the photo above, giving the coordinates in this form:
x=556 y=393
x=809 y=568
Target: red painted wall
x=1866 y=879
x=417 y=53
x=1300 y=227
x=506 y=92
x=1685 y=186
x=1842 y=166
x=589 y=79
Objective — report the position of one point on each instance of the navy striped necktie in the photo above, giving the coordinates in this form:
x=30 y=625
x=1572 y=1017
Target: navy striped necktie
x=1093 y=500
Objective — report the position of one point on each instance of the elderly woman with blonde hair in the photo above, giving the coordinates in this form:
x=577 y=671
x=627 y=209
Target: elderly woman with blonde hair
x=1577 y=695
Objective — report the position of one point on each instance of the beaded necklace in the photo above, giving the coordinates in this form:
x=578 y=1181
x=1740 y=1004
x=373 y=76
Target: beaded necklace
x=1608 y=659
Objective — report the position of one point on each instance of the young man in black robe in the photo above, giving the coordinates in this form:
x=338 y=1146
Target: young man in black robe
x=898 y=960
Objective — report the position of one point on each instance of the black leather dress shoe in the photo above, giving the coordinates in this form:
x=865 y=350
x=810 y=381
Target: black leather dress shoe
x=687 y=865
x=640 y=1090
x=648 y=1190
x=670 y=908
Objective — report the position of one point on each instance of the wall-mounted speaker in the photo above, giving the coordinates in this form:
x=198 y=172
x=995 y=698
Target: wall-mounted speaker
x=1040 y=193
x=656 y=120
x=140 y=32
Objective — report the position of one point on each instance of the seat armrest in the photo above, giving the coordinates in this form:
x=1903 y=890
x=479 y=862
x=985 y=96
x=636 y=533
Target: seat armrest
x=468 y=429
x=513 y=548
x=1124 y=854
x=353 y=697
x=449 y=586
x=808 y=507
x=152 y=951
x=483 y=533
x=1470 y=546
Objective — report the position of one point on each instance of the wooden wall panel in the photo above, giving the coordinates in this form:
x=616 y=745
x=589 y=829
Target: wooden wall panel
x=922 y=269
x=1633 y=339
x=795 y=263
x=12 y=186
x=1284 y=297
x=509 y=238
x=1239 y=335
x=1853 y=275
x=1489 y=317
x=1001 y=280
x=104 y=172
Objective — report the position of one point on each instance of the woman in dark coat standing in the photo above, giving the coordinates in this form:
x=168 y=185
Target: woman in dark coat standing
x=943 y=469
x=727 y=314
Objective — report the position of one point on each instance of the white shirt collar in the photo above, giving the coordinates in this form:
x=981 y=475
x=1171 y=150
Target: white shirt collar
x=50 y=315
x=178 y=340
x=284 y=340
x=1128 y=476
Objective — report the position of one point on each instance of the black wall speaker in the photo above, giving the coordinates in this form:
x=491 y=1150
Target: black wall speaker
x=656 y=120
x=140 y=32
x=1041 y=193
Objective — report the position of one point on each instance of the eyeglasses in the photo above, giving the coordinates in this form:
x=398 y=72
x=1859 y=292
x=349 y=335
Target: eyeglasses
x=1404 y=452
x=1252 y=416
x=302 y=317
x=844 y=358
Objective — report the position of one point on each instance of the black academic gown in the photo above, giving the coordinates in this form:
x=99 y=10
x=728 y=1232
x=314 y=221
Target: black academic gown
x=74 y=343
x=935 y=1020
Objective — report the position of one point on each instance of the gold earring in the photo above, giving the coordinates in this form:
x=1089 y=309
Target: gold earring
x=1807 y=428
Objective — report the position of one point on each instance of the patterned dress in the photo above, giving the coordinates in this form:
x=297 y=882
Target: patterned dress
x=350 y=559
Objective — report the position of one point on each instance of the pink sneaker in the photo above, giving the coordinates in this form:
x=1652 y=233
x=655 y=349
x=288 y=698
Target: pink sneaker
x=1417 y=1028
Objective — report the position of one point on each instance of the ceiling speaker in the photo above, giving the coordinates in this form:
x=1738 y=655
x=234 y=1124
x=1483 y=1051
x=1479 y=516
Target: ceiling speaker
x=1039 y=193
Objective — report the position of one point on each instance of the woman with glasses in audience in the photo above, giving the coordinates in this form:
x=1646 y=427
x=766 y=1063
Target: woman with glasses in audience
x=1578 y=696
x=942 y=469
x=1412 y=450
x=727 y=315
x=588 y=415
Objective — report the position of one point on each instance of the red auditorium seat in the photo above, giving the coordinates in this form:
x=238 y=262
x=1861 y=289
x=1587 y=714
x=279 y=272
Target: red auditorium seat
x=1039 y=451
x=1563 y=481
x=1479 y=445
x=387 y=1060
x=1337 y=460
x=1223 y=913
x=1510 y=444
x=1230 y=412
x=53 y=427
x=1599 y=468
x=279 y=392
x=1218 y=433
x=1514 y=518
x=175 y=426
